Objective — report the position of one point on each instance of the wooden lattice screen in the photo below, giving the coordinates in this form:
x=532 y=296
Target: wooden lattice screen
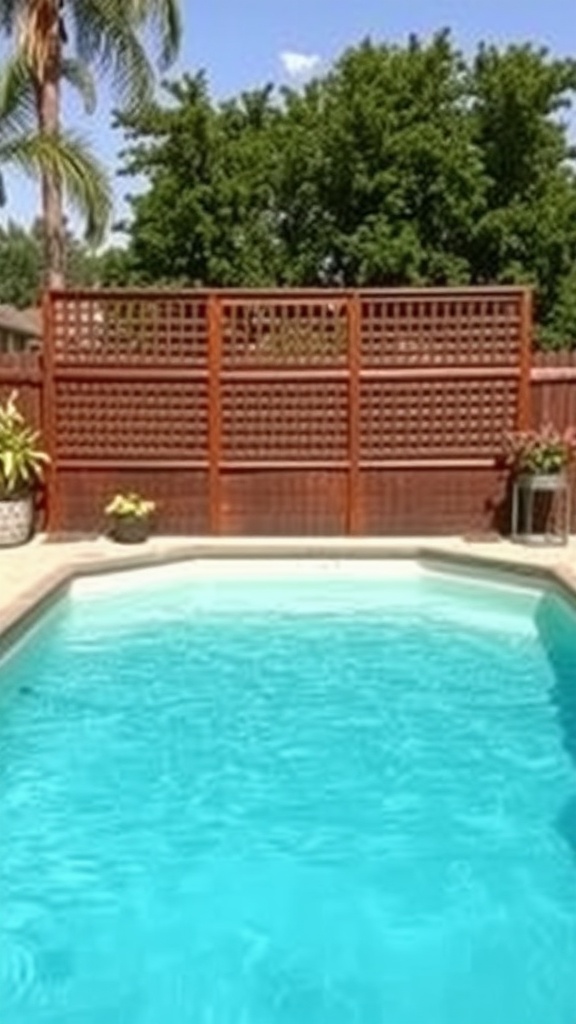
x=312 y=413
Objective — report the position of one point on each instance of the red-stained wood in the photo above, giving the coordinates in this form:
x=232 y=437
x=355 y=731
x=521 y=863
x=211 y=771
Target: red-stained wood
x=309 y=410
x=49 y=417
x=214 y=412
x=524 y=394
x=354 y=516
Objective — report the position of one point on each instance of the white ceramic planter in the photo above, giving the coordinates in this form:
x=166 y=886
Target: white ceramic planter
x=16 y=520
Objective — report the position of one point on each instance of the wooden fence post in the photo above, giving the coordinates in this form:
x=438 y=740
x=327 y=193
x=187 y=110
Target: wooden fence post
x=525 y=388
x=354 y=503
x=48 y=407
x=214 y=411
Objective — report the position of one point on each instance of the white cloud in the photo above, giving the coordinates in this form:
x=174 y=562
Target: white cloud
x=299 y=65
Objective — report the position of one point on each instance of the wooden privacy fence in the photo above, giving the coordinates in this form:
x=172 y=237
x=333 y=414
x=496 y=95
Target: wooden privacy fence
x=367 y=412
x=553 y=379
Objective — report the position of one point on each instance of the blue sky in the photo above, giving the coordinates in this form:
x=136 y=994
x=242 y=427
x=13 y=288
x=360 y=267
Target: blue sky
x=250 y=43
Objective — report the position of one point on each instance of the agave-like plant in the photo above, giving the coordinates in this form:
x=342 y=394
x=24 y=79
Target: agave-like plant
x=22 y=461
x=57 y=42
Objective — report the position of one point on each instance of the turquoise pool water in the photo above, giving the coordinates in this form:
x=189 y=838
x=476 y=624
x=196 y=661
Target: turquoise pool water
x=311 y=797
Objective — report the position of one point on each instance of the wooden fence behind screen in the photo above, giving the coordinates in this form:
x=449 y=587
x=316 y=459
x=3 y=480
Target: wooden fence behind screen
x=553 y=378
x=284 y=413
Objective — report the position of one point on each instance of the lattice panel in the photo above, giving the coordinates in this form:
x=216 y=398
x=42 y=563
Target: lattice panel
x=146 y=421
x=433 y=419
x=451 y=331
x=265 y=333
x=111 y=330
x=284 y=420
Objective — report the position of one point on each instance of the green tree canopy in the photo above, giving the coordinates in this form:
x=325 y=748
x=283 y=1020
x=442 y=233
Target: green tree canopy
x=221 y=226
x=401 y=165
x=22 y=255
x=521 y=101
x=20 y=266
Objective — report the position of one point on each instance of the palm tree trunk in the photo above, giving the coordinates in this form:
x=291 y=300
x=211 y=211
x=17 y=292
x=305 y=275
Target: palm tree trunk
x=54 y=249
x=48 y=103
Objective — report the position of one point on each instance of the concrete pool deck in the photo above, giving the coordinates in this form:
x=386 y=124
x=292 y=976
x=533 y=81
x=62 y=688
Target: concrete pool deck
x=31 y=574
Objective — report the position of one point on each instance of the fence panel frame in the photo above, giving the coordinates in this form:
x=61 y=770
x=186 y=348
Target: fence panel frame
x=352 y=373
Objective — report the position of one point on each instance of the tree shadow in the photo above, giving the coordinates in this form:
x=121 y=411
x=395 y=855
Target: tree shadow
x=546 y=517
x=499 y=509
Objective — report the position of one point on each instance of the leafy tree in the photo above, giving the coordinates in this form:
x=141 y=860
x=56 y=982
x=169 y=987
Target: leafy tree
x=402 y=165
x=528 y=231
x=20 y=266
x=59 y=41
x=400 y=177
x=111 y=268
x=209 y=215
x=369 y=175
x=22 y=255
x=558 y=330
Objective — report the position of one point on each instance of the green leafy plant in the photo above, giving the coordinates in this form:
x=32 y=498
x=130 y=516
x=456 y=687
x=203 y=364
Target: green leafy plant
x=130 y=505
x=545 y=451
x=22 y=462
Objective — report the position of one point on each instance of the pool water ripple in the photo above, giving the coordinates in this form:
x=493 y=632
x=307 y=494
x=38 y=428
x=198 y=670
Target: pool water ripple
x=272 y=804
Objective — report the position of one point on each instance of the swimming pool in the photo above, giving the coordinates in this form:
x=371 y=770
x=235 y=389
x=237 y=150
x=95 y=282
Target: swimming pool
x=290 y=794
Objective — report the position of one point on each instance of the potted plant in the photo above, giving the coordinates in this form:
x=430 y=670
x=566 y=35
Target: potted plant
x=539 y=458
x=22 y=464
x=129 y=518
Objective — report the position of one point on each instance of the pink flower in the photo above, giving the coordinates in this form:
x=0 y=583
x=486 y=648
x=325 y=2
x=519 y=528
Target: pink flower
x=540 y=451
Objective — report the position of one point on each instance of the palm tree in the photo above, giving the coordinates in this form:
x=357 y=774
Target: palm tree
x=67 y=41
x=61 y=158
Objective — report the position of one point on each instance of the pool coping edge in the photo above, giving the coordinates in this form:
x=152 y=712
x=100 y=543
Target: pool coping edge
x=21 y=611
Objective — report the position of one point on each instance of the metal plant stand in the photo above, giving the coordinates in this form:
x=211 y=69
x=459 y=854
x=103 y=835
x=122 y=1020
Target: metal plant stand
x=541 y=508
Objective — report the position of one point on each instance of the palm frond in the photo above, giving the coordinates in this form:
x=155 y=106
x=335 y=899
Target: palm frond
x=80 y=77
x=17 y=99
x=110 y=36
x=113 y=36
x=18 y=108
x=164 y=17
x=69 y=162
x=106 y=37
